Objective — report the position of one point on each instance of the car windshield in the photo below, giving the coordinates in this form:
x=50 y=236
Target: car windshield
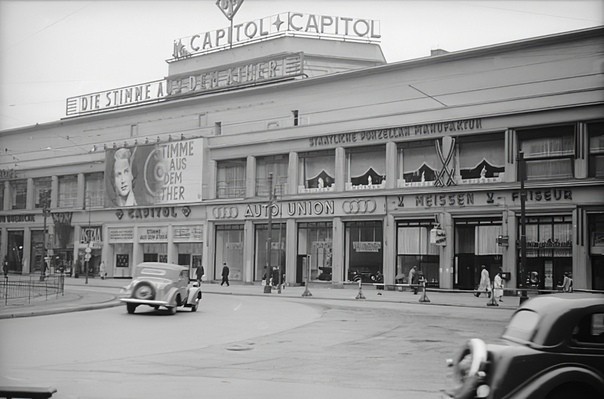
x=522 y=326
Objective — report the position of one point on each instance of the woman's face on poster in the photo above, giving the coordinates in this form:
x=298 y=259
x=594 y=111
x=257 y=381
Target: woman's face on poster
x=123 y=177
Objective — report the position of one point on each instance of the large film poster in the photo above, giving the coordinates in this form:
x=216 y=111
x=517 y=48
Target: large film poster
x=152 y=174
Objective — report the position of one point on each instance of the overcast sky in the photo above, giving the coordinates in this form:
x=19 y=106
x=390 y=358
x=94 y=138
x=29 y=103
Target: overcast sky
x=51 y=50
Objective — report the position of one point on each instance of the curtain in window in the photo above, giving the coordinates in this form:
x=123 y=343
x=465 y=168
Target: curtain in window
x=549 y=168
x=486 y=240
x=68 y=191
x=230 y=180
x=473 y=153
x=95 y=190
x=415 y=241
x=312 y=166
x=361 y=162
x=548 y=146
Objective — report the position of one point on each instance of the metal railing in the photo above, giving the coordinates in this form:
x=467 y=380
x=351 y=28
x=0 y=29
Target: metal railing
x=23 y=289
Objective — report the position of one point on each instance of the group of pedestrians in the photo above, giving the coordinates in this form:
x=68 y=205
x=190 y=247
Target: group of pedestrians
x=225 y=274
x=485 y=285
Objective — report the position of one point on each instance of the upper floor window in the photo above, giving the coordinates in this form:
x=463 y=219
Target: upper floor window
x=366 y=167
x=596 y=149
x=481 y=158
x=548 y=152
x=275 y=165
x=230 y=178
x=418 y=163
x=68 y=191
x=18 y=191
x=94 y=190
x=42 y=190
x=316 y=171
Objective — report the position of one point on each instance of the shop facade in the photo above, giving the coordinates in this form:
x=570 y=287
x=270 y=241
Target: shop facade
x=363 y=191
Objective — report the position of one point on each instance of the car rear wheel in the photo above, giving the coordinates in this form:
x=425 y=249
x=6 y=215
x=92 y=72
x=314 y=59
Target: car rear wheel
x=130 y=307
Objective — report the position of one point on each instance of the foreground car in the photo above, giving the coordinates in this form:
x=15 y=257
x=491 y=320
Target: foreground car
x=161 y=284
x=552 y=348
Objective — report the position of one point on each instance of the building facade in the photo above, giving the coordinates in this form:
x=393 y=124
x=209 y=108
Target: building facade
x=317 y=157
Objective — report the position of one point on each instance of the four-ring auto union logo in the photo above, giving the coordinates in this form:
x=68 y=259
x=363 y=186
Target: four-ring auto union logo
x=225 y=212
x=357 y=206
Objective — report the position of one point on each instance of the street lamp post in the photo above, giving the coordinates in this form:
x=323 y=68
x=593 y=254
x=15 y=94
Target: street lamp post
x=522 y=177
x=45 y=212
x=267 y=286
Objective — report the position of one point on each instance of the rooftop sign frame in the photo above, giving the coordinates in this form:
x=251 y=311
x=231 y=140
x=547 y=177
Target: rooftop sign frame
x=278 y=25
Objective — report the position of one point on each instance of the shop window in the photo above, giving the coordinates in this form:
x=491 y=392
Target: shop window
x=481 y=159
x=275 y=165
x=475 y=246
x=364 y=251
x=316 y=171
x=418 y=164
x=230 y=180
x=276 y=258
x=549 y=245
x=366 y=168
x=42 y=190
x=414 y=249
x=548 y=152
x=68 y=191
x=229 y=249
x=14 y=255
x=95 y=190
x=1 y=196
x=18 y=190
x=315 y=245
x=596 y=149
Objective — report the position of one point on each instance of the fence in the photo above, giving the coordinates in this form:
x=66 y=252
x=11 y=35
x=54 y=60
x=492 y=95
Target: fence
x=23 y=289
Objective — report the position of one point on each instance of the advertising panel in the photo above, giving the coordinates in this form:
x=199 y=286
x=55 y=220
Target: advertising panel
x=154 y=174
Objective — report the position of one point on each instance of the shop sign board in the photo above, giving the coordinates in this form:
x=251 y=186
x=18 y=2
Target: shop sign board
x=438 y=237
x=120 y=235
x=154 y=174
x=142 y=93
x=91 y=234
x=187 y=233
x=238 y=75
x=153 y=234
x=367 y=246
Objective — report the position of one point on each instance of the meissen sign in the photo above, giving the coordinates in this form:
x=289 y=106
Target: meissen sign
x=294 y=23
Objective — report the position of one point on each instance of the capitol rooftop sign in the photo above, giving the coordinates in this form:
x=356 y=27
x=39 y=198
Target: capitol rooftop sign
x=283 y=24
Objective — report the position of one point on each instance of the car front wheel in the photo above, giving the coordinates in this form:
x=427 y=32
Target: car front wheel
x=195 y=304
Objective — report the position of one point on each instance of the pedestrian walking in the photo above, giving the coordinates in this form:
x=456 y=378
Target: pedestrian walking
x=485 y=283
x=413 y=279
x=498 y=286
x=199 y=273
x=102 y=272
x=567 y=283
x=225 y=274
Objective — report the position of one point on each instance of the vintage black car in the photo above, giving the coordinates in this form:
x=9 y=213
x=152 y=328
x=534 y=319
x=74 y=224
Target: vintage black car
x=552 y=348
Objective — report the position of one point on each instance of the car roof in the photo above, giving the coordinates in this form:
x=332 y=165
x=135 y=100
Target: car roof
x=560 y=313
x=161 y=265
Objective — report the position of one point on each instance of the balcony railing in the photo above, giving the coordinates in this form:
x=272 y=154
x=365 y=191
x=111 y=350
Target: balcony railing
x=231 y=189
x=350 y=187
x=308 y=190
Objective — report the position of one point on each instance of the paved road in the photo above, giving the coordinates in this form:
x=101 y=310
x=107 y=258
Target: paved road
x=250 y=346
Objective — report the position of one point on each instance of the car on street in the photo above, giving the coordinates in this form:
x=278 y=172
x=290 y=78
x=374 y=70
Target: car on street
x=552 y=348
x=158 y=285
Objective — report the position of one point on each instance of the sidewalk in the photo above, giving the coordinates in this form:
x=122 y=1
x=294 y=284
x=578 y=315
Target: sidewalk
x=98 y=294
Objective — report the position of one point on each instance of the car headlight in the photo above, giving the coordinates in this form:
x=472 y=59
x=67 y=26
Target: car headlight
x=469 y=371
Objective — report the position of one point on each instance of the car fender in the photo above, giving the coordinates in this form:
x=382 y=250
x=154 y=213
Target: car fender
x=171 y=296
x=550 y=379
x=192 y=292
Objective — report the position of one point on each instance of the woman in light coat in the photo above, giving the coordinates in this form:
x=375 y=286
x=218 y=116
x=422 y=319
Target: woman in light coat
x=485 y=283
x=498 y=287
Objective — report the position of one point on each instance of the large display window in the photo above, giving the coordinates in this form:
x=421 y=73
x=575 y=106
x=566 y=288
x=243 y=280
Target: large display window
x=315 y=245
x=414 y=249
x=364 y=251
x=276 y=260
x=229 y=249
x=475 y=246
x=549 y=252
